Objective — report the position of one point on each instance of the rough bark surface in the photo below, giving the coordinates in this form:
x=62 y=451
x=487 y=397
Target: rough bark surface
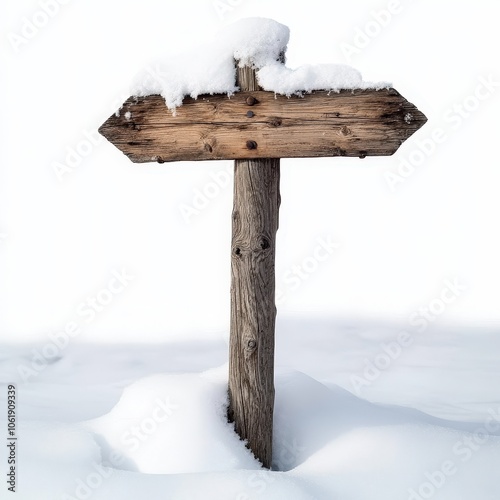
x=253 y=310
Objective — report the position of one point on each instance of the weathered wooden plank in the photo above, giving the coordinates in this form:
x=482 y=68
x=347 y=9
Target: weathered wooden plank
x=259 y=124
x=253 y=311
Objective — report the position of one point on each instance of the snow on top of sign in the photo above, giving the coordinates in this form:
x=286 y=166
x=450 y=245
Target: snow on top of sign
x=282 y=80
x=256 y=42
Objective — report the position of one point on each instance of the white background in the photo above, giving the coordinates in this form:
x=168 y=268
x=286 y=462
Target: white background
x=61 y=239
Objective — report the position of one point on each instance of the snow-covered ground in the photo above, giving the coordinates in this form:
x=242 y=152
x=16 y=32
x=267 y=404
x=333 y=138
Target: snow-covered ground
x=359 y=415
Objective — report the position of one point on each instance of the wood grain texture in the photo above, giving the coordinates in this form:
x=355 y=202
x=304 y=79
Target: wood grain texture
x=253 y=311
x=349 y=123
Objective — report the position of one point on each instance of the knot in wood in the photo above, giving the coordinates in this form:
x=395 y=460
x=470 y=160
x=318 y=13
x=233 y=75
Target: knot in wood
x=275 y=121
x=345 y=130
x=264 y=243
x=251 y=145
x=237 y=251
x=251 y=344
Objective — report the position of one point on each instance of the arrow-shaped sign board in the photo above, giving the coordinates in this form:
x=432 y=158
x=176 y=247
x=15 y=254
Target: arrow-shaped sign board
x=257 y=128
x=251 y=125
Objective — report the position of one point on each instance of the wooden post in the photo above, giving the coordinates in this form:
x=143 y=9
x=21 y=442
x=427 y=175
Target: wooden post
x=253 y=311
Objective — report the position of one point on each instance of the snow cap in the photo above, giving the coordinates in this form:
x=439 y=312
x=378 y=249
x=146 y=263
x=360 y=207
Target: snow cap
x=256 y=42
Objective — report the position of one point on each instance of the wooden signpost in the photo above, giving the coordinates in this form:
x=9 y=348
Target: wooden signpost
x=256 y=129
